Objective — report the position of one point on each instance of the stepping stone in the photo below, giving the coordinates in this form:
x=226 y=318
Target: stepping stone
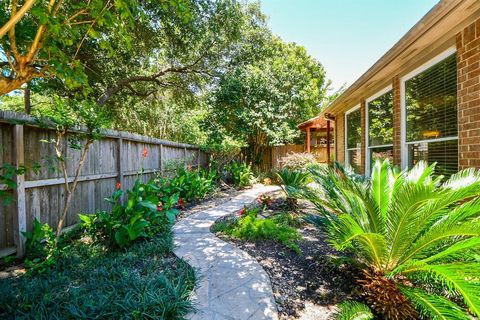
x=232 y=284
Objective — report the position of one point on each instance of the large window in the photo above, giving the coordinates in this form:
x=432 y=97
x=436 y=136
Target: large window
x=431 y=128
x=353 y=138
x=380 y=128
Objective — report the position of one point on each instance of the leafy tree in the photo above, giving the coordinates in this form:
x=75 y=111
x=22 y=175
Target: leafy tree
x=415 y=237
x=261 y=100
x=47 y=39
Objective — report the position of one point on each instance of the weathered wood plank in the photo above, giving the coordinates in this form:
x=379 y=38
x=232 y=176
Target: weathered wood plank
x=43 y=193
x=21 y=216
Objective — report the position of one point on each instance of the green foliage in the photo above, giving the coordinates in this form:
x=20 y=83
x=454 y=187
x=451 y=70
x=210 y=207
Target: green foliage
x=41 y=247
x=273 y=87
x=240 y=174
x=190 y=185
x=350 y=310
x=407 y=227
x=145 y=215
x=92 y=282
x=290 y=181
x=251 y=228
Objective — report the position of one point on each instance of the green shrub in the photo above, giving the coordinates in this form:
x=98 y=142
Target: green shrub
x=298 y=161
x=144 y=281
x=251 y=228
x=416 y=238
x=240 y=174
x=190 y=185
x=145 y=214
x=291 y=180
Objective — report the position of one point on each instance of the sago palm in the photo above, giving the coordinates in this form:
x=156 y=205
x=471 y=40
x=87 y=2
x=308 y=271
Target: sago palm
x=415 y=235
x=291 y=180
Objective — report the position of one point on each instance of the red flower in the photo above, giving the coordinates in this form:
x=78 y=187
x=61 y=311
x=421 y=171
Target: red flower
x=159 y=207
x=118 y=186
x=181 y=202
x=242 y=212
x=145 y=152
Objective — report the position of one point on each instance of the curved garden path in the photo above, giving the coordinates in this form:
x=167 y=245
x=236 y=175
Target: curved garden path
x=232 y=285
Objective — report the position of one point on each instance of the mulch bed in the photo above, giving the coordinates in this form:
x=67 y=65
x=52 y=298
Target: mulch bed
x=299 y=281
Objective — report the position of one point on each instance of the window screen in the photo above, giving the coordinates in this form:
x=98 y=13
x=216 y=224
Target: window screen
x=431 y=115
x=354 y=139
x=380 y=128
x=354 y=129
x=380 y=120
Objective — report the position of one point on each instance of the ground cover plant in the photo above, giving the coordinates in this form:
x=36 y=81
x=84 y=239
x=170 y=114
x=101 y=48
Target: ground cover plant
x=251 y=227
x=414 y=235
x=94 y=282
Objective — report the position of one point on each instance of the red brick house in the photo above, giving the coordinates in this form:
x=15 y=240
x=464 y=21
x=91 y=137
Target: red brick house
x=421 y=100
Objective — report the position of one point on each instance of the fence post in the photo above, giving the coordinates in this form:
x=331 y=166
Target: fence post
x=120 y=178
x=198 y=159
x=185 y=157
x=21 y=217
x=161 y=159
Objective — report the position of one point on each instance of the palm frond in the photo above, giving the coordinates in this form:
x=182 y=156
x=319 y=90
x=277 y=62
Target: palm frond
x=437 y=234
x=351 y=310
x=462 y=278
x=433 y=307
x=346 y=232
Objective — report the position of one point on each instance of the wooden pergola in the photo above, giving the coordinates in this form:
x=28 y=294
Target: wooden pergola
x=317 y=124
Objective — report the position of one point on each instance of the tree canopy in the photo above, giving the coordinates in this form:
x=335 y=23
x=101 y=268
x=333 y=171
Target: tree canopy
x=198 y=71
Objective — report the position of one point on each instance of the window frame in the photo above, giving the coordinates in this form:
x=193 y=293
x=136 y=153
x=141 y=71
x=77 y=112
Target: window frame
x=403 y=108
x=367 y=128
x=355 y=108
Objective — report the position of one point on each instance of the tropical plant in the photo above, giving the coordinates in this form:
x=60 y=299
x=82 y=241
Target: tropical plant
x=240 y=174
x=415 y=234
x=189 y=184
x=145 y=214
x=351 y=310
x=290 y=181
x=41 y=247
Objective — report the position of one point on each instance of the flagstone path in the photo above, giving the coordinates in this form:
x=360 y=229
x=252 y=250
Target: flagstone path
x=232 y=285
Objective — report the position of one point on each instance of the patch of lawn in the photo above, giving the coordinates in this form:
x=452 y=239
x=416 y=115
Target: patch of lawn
x=89 y=281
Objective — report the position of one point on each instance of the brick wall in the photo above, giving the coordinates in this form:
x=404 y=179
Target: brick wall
x=468 y=90
x=397 y=143
x=340 y=137
x=363 y=142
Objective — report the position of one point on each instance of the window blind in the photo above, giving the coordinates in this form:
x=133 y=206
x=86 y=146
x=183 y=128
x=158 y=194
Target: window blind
x=431 y=115
x=431 y=102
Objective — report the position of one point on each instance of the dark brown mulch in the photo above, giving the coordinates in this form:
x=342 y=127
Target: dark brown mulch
x=316 y=276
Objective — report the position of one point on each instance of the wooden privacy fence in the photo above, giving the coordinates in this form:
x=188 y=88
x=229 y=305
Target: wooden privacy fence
x=117 y=157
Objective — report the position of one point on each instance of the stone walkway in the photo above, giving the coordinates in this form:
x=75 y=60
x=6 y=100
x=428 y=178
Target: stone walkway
x=232 y=284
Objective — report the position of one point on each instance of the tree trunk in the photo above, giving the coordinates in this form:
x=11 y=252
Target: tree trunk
x=71 y=191
x=27 y=101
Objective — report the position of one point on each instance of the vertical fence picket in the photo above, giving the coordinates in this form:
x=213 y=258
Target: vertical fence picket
x=20 y=199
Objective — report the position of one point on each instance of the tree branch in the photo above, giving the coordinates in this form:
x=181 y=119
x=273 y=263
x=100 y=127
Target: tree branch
x=16 y=17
